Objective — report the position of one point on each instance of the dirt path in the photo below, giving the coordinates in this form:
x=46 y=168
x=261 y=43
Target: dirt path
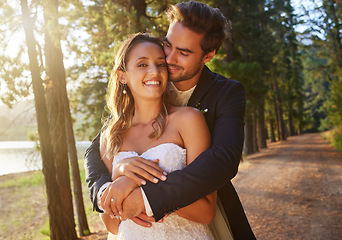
x=293 y=190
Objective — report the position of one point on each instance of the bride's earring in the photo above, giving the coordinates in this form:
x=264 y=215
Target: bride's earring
x=122 y=78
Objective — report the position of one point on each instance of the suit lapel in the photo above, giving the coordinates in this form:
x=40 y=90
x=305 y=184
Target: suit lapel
x=203 y=85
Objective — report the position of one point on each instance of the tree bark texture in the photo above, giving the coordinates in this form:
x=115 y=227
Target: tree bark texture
x=261 y=125
x=56 y=63
x=249 y=146
x=272 y=130
x=279 y=112
x=256 y=147
x=54 y=90
x=290 y=121
x=58 y=229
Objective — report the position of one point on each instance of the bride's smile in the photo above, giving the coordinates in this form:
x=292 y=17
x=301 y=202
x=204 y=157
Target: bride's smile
x=146 y=72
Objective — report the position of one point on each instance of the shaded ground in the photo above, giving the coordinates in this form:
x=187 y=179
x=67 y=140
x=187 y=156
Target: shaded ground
x=293 y=190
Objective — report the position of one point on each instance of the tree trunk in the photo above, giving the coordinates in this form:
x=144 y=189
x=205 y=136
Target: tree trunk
x=58 y=228
x=140 y=7
x=277 y=117
x=261 y=124
x=226 y=8
x=59 y=76
x=273 y=139
x=256 y=146
x=83 y=228
x=54 y=90
x=279 y=112
x=249 y=138
x=290 y=121
x=299 y=131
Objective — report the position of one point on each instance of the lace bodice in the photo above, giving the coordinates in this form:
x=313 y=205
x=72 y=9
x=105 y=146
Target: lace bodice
x=171 y=158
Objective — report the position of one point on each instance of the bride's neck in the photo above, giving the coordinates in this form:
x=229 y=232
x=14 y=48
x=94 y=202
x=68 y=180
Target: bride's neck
x=146 y=112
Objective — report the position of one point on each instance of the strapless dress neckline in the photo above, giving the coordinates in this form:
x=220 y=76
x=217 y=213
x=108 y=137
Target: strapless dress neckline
x=161 y=145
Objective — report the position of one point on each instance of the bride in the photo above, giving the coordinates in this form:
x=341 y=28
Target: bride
x=144 y=124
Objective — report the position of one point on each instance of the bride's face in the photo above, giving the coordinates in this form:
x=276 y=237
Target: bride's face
x=146 y=71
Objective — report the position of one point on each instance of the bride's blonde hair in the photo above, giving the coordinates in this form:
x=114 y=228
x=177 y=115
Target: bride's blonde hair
x=121 y=105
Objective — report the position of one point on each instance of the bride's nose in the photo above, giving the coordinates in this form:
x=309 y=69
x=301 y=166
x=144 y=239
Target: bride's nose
x=154 y=71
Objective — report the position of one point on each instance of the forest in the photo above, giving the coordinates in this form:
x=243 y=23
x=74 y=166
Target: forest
x=287 y=54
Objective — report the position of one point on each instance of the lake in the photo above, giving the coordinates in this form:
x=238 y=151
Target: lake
x=21 y=156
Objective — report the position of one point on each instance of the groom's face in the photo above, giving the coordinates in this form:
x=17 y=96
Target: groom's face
x=184 y=55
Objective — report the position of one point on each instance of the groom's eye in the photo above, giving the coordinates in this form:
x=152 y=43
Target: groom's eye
x=184 y=53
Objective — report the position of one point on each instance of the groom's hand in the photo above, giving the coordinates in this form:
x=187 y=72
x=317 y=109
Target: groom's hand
x=143 y=220
x=133 y=205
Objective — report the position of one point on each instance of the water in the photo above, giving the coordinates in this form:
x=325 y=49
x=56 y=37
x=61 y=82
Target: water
x=21 y=156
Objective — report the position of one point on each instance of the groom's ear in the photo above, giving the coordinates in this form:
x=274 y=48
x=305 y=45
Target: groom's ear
x=209 y=56
x=122 y=77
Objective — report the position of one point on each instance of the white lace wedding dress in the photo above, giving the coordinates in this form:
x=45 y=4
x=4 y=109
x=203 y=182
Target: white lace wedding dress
x=171 y=157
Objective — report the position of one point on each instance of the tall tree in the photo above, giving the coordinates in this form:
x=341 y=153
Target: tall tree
x=60 y=119
x=253 y=52
x=322 y=65
x=227 y=8
x=332 y=12
x=59 y=228
x=286 y=83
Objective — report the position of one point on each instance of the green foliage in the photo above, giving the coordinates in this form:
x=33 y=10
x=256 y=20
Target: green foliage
x=334 y=103
x=45 y=230
x=86 y=232
x=250 y=74
x=265 y=49
x=334 y=136
x=32 y=135
x=337 y=142
x=316 y=84
x=88 y=103
x=14 y=76
x=322 y=68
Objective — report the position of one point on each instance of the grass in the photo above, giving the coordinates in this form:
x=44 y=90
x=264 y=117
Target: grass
x=45 y=230
x=30 y=179
x=25 y=215
x=334 y=136
x=23 y=196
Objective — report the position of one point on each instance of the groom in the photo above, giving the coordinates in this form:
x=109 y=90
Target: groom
x=195 y=34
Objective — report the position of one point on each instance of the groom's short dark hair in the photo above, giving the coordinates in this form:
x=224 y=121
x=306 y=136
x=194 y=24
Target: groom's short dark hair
x=201 y=19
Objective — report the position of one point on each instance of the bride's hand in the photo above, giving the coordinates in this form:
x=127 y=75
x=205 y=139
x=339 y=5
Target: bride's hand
x=139 y=170
x=115 y=193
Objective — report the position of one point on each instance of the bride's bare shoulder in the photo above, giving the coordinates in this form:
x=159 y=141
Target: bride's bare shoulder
x=184 y=113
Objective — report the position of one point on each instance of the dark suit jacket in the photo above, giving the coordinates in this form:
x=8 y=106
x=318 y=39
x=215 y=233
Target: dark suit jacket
x=225 y=102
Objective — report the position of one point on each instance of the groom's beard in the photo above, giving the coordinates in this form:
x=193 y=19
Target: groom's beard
x=182 y=74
